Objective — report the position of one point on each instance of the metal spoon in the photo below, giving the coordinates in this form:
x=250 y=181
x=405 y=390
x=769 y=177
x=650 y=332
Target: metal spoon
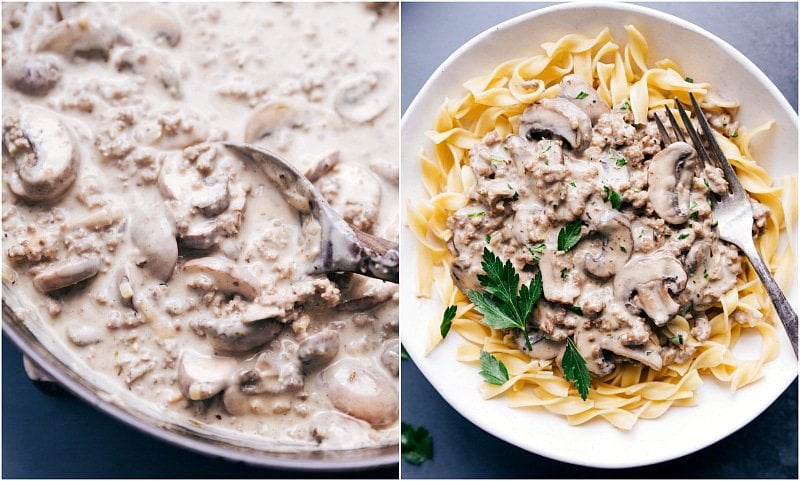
x=342 y=248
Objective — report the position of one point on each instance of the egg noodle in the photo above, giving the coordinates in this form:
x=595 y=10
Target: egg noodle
x=495 y=102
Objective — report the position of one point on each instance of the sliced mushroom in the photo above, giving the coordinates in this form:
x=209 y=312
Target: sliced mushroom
x=45 y=153
x=279 y=369
x=361 y=393
x=353 y=192
x=201 y=377
x=697 y=255
x=270 y=119
x=669 y=176
x=226 y=275
x=321 y=167
x=541 y=347
x=390 y=356
x=575 y=89
x=557 y=118
x=647 y=354
x=162 y=27
x=589 y=344
x=560 y=281
x=154 y=235
x=214 y=198
x=365 y=293
x=66 y=274
x=362 y=97
x=318 y=349
x=652 y=278
x=235 y=401
x=82 y=37
x=231 y=334
x=150 y=63
x=388 y=171
x=606 y=255
x=35 y=75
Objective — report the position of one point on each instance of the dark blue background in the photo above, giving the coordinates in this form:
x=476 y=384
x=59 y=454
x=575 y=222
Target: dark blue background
x=767 y=447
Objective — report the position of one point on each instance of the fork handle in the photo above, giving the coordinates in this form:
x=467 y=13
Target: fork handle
x=782 y=306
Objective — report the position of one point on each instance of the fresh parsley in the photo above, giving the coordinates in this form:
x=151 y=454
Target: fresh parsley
x=613 y=196
x=575 y=369
x=715 y=224
x=447 y=320
x=403 y=352
x=505 y=304
x=620 y=161
x=417 y=444
x=576 y=309
x=516 y=194
x=677 y=339
x=476 y=214
x=705 y=274
x=488 y=239
x=537 y=251
x=497 y=160
x=689 y=307
x=581 y=95
x=705 y=181
x=572 y=183
x=682 y=236
x=735 y=133
x=625 y=106
x=689 y=79
x=569 y=235
x=564 y=273
x=493 y=370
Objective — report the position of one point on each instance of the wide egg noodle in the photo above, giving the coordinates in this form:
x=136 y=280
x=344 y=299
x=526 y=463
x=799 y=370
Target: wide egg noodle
x=495 y=102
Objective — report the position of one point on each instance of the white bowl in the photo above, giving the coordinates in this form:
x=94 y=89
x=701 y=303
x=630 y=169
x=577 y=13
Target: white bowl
x=680 y=431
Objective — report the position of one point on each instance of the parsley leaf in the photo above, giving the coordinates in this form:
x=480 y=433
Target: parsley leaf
x=493 y=370
x=505 y=305
x=516 y=194
x=625 y=106
x=575 y=369
x=476 y=214
x=689 y=79
x=447 y=320
x=576 y=309
x=417 y=444
x=496 y=159
x=403 y=352
x=683 y=236
x=564 y=273
x=734 y=134
x=677 y=339
x=613 y=196
x=537 y=251
x=715 y=224
x=488 y=239
x=581 y=95
x=621 y=161
x=569 y=235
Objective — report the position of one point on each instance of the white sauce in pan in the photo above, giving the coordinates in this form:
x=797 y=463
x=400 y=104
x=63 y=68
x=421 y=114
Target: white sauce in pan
x=172 y=267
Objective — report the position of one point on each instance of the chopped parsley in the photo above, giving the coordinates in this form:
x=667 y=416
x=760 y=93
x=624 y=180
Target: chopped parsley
x=715 y=224
x=569 y=235
x=734 y=134
x=447 y=320
x=677 y=339
x=516 y=194
x=689 y=307
x=576 y=309
x=564 y=273
x=694 y=215
x=547 y=149
x=682 y=236
x=623 y=249
x=575 y=369
x=403 y=352
x=625 y=106
x=488 y=239
x=705 y=181
x=621 y=161
x=689 y=79
x=476 y=214
x=505 y=304
x=613 y=196
x=572 y=183
x=581 y=95
x=497 y=160
x=705 y=274
x=417 y=444
x=537 y=251
x=493 y=370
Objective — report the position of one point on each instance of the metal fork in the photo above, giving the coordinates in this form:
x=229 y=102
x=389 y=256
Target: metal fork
x=732 y=212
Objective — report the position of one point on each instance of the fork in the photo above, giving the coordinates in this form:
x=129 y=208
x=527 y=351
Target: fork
x=732 y=212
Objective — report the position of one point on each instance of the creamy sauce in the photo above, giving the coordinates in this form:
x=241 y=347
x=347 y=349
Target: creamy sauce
x=170 y=266
x=648 y=248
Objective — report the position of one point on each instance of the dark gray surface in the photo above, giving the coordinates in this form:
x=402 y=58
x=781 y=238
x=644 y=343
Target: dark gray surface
x=62 y=437
x=765 y=448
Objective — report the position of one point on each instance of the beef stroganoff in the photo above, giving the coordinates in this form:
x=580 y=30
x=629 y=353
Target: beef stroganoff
x=172 y=270
x=553 y=165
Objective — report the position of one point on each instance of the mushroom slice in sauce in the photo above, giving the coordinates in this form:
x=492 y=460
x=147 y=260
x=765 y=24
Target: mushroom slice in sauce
x=589 y=344
x=541 y=347
x=604 y=257
x=45 y=153
x=82 y=37
x=318 y=349
x=66 y=274
x=362 y=393
x=652 y=277
x=557 y=118
x=32 y=75
x=270 y=118
x=575 y=89
x=226 y=276
x=669 y=176
x=201 y=377
x=363 y=96
x=153 y=234
x=159 y=24
x=233 y=335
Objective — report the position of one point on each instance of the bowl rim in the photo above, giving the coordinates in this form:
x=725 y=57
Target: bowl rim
x=13 y=327
x=625 y=7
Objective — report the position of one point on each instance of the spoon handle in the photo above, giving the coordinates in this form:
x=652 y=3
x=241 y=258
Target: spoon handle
x=380 y=258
